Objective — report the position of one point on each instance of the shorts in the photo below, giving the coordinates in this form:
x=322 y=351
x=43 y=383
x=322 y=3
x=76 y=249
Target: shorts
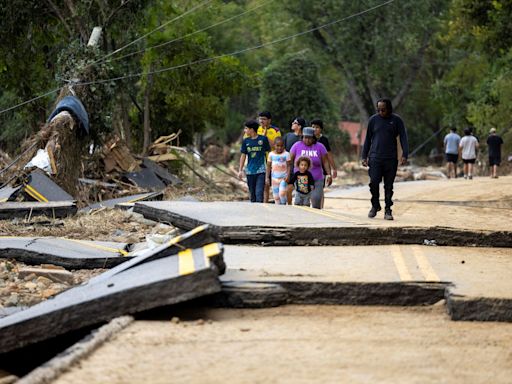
x=451 y=157
x=494 y=160
x=469 y=161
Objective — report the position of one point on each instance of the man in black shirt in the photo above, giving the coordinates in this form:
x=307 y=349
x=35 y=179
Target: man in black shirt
x=296 y=135
x=380 y=154
x=494 y=143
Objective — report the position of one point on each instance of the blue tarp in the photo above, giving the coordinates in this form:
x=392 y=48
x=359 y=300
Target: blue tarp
x=74 y=106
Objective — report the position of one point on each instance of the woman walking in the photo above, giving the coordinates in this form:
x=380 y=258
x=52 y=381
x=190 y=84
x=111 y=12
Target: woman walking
x=318 y=155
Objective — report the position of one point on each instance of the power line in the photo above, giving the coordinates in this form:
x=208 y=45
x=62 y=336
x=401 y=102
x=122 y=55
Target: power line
x=209 y=59
x=109 y=55
x=31 y=100
x=200 y=61
x=192 y=33
x=151 y=32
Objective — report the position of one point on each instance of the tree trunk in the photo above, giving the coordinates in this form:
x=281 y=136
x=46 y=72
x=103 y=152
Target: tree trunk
x=147 y=123
x=125 y=121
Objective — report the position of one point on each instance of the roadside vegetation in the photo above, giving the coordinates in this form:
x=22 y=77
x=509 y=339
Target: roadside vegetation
x=204 y=67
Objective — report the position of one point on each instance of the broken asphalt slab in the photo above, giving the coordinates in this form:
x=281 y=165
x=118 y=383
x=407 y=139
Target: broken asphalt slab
x=481 y=204
x=52 y=209
x=67 y=253
x=123 y=201
x=84 y=254
x=167 y=177
x=243 y=222
x=169 y=280
x=476 y=282
x=8 y=193
x=40 y=187
x=145 y=178
x=195 y=240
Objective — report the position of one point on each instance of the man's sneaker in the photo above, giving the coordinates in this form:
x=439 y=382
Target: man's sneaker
x=388 y=215
x=373 y=212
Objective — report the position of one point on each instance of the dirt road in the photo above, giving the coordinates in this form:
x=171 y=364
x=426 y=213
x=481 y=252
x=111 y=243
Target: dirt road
x=303 y=344
x=479 y=204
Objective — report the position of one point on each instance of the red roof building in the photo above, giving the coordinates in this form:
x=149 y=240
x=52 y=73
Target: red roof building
x=352 y=128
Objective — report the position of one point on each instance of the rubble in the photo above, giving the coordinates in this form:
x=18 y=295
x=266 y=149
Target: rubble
x=165 y=281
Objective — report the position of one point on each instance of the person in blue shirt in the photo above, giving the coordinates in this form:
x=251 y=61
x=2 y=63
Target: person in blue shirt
x=451 y=149
x=254 y=148
x=381 y=155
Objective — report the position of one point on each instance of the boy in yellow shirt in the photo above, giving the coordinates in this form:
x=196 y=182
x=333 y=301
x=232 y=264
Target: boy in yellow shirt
x=270 y=132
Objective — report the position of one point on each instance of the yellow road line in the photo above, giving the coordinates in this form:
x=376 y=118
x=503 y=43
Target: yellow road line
x=192 y=232
x=186 y=262
x=97 y=246
x=425 y=267
x=324 y=213
x=400 y=265
x=36 y=195
x=211 y=250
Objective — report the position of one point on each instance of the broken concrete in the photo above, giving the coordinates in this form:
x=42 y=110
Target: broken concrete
x=478 y=309
x=26 y=210
x=197 y=239
x=167 y=177
x=165 y=281
x=123 y=201
x=245 y=294
x=67 y=253
x=56 y=275
x=41 y=188
x=8 y=193
x=240 y=222
x=476 y=282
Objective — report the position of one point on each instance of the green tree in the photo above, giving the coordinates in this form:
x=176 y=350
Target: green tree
x=477 y=88
x=45 y=45
x=291 y=87
x=379 y=53
x=193 y=97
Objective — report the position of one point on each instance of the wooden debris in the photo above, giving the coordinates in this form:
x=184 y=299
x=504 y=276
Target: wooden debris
x=57 y=275
x=118 y=155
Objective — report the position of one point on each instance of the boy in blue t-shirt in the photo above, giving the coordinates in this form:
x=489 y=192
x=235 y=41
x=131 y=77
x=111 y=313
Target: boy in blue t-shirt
x=254 y=148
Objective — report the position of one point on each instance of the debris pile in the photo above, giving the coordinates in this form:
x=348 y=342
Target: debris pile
x=166 y=271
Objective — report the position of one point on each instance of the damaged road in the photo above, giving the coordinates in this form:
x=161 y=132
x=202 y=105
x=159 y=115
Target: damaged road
x=164 y=281
x=240 y=222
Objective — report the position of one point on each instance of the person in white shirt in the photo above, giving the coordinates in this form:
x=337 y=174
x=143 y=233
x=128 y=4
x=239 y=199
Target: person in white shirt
x=468 y=148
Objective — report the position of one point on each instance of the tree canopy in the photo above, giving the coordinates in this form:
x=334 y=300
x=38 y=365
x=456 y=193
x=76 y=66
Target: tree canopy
x=207 y=66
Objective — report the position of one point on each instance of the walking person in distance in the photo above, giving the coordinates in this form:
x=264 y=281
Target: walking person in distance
x=380 y=154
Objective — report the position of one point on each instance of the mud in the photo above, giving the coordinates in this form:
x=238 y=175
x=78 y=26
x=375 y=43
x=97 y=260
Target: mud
x=302 y=344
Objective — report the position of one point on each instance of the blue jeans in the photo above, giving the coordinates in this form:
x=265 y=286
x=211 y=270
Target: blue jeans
x=256 y=184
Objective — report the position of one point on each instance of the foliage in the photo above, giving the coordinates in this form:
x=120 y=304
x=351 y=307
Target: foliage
x=78 y=63
x=291 y=87
x=194 y=96
x=378 y=52
x=477 y=89
x=444 y=63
